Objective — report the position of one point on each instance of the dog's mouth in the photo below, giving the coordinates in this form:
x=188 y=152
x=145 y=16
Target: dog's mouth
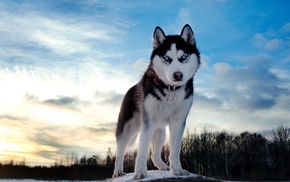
x=159 y=82
x=176 y=81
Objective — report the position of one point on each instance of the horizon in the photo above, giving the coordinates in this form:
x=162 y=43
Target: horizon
x=72 y=157
x=65 y=67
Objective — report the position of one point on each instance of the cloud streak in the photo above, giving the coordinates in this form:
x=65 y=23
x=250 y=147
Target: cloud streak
x=29 y=35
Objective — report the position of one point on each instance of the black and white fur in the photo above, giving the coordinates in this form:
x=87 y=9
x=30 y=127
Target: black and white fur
x=162 y=98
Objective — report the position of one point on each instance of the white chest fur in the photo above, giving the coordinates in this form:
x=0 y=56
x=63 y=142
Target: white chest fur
x=172 y=107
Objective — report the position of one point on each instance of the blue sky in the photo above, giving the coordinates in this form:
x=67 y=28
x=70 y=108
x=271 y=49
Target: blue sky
x=65 y=66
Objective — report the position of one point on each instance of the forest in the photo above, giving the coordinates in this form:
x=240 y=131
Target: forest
x=222 y=155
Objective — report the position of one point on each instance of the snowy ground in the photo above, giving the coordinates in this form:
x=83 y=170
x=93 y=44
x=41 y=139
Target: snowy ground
x=31 y=180
x=152 y=175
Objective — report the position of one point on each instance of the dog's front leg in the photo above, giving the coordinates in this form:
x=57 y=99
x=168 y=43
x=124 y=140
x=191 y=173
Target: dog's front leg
x=145 y=136
x=176 y=129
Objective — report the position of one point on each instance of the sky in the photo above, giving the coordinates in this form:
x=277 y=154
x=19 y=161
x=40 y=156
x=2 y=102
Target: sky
x=65 y=66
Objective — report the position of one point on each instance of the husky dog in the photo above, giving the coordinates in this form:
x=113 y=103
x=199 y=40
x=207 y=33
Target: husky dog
x=162 y=97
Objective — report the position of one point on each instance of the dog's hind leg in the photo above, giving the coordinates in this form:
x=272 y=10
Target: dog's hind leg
x=157 y=142
x=129 y=134
x=121 y=146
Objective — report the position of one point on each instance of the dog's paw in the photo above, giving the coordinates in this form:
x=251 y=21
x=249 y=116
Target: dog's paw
x=140 y=175
x=163 y=167
x=118 y=174
x=180 y=172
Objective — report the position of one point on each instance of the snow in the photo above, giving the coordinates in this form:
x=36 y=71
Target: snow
x=31 y=180
x=152 y=175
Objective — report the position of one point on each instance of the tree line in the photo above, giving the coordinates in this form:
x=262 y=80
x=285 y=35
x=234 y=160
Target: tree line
x=68 y=167
x=245 y=156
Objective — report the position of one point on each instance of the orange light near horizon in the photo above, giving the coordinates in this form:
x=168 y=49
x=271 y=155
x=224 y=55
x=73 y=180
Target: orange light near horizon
x=6 y=147
x=7 y=151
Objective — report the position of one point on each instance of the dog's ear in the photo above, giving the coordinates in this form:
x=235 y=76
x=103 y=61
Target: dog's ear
x=187 y=35
x=158 y=37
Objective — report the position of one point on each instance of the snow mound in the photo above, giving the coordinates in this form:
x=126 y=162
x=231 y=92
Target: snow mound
x=152 y=175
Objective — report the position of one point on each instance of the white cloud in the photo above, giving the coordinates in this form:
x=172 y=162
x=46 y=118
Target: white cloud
x=222 y=68
x=141 y=65
x=272 y=44
x=281 y=73
x=274 y=39
x=251 y=95
x=43 y=38
x=285 y=28
x=61 y=35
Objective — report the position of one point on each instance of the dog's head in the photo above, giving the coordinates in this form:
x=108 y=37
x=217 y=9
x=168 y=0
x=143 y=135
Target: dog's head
x=175 y=58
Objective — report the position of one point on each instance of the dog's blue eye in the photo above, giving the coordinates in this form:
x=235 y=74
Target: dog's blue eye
x=183 y=57
x=166 y=58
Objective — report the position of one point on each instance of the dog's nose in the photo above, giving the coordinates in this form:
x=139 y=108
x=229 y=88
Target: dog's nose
x=177 y=76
